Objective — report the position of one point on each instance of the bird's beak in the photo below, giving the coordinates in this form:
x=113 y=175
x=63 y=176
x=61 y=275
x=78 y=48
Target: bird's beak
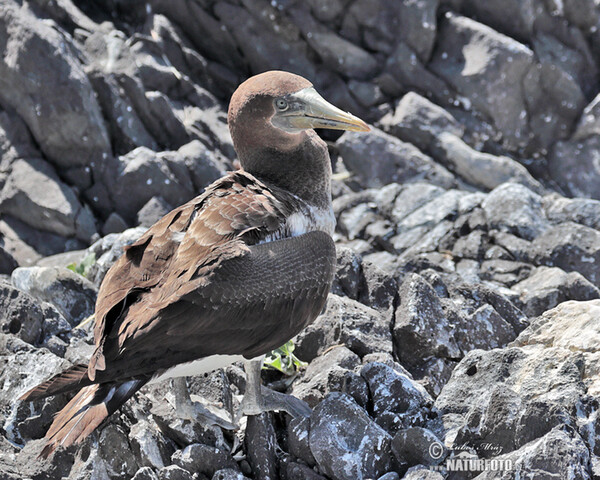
x=315 y=112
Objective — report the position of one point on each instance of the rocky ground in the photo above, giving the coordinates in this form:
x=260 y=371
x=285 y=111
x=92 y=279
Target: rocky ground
x=464 y=319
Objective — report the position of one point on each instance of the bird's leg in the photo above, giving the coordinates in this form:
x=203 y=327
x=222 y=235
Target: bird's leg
x=194 y=411
x=258 y=399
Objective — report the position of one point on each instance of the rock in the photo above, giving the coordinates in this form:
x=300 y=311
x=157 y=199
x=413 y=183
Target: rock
x=477 y=168
x=145 y=473
x=114 y=224
x=205 y=166
x=107 y=251
x=419 y=121
x=7 y=262
x=413 y=446
x=419 y=315
x=569 y=246
x=571 y=325
x=421 y=473
x=298 y=430
x=297 y=471
x=574 y=166
x=261 y=445
x=549 y=286
x=34 y=194
x=20 y=314
x=579 y=210
x=474 y=59
x=114 y=449
x=561 y=453
x=547 y=380
x=151 y=448
x=143 y=174
x=43 y=80
x=73 y=295
x=173 y=472
x=515 y=209
x=345 y=442
x=378 y=288
x=198 y=458
x=396 y=161
x=332 y=371
x=348 y=274
x=398 y=401
x=404 y=71
x=228 y=474
x=23 y=367
x=153 y=211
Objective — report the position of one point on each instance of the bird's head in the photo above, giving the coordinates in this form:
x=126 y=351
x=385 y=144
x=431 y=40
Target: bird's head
x=275 y=109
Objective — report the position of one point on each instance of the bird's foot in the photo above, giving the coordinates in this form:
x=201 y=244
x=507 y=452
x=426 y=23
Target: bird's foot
x=196 y=412
x=186 y=409
x=271 y=400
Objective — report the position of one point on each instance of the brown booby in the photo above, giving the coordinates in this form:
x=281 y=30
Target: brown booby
x=230 y=275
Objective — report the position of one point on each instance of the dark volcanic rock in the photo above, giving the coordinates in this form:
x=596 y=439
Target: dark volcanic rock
x=346 y=443
x=397 y=161
x=73 y=295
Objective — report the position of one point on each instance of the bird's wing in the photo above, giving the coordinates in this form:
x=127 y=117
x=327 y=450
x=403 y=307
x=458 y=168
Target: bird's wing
x=188 y=242
x=248 y=304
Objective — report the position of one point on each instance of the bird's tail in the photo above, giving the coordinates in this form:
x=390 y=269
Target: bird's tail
x=72 y=379
x=86 y=411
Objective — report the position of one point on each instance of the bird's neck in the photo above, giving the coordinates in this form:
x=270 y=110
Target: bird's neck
x=304 y=170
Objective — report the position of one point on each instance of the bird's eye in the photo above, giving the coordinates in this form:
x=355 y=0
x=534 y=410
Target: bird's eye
x=281 y=104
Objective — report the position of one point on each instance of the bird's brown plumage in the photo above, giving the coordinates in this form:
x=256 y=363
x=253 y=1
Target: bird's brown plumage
x=223 y=274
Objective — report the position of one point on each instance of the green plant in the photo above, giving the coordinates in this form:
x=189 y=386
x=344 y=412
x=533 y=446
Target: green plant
x=284 y=360
x=83 y=268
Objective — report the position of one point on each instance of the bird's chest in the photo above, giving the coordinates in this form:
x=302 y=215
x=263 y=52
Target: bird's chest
x=304 y=220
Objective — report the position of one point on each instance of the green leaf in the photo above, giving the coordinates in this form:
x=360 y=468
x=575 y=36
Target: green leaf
x=284 y=360
x=84 y=267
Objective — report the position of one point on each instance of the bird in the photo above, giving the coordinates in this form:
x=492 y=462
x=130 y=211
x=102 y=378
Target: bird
x=230 y=275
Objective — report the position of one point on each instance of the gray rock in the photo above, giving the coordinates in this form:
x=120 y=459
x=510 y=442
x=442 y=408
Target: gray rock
x=413 y=446
x=114 y=449
x=174 y=472
x=107 y=251
x=153 y=211
x=298 y=430
x=151 y=448
x=7 y=262
x=348 y=273
x=73 y=295
x=570 y=246
x=143 y=174
x=422 y=473
x=419 y=315
x=515 y=209
x=114 y=224
x=261 y=446
x=297 y=471
x=34 y=194
x=378 y=288
x=331 y=372
x=474 y=59
x=198 y=458
x=397 y=161
x=404 y=71
x=61 y=110
x=549 y=286
x=579 y=210
x=23 y=367
x=478 y=168
x=20 y=314
x=228 y=474
x=574 y=166
x=398 y=401
x=205 y=166
x=419 y=121
x=145 y=473
x=345 y=442
x=362 y=329
x=561 y=453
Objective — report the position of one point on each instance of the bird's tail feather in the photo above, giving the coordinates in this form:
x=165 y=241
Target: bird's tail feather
x=86 y=411
x=72 y=379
